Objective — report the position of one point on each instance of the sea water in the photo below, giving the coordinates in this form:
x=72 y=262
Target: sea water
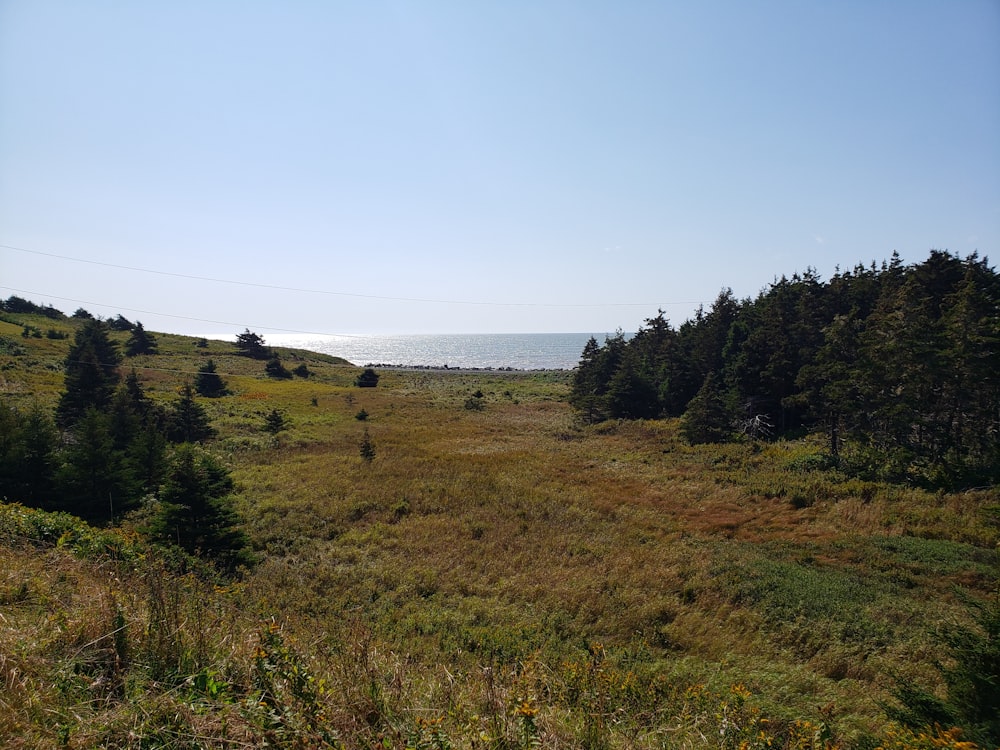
x=518 y=351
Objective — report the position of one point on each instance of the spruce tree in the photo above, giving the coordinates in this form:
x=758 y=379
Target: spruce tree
x=252 y=345
x=708 y=418
x=197 y=512
x=209 y=383
x=367 y=379
x=91 y=373
x=140 y=342
x=188 y=423
x=96 y=481
x=28 y=458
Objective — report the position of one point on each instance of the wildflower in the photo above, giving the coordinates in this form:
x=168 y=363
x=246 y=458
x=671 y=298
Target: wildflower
x=740 y=691
x=527 y=708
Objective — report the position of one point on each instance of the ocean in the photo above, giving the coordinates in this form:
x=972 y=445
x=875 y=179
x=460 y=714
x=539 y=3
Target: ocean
x=518 y=351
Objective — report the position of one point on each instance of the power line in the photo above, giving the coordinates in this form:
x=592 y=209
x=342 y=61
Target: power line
x=327 y=292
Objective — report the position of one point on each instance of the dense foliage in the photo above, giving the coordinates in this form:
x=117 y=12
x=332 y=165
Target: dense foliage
x=107 y=450
x=898 y=366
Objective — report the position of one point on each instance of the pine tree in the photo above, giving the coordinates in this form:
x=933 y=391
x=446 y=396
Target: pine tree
x=209 y=383
x=367 y=379
x=28 y=458
x=140 y=342
x=197 y=512
x=96 y=481
x=631 y=393
x=708 y=418
x=137 y=429
x=252 y=345
x=275 y=422
x=972 y=681
x=188 y=423
x=91 y=373
x=585 y=393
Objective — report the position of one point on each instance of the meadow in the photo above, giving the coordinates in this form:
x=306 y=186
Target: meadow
x=494 y=573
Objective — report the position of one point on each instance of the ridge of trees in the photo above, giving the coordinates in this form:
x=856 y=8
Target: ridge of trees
x=108 y=450
x=898 y=366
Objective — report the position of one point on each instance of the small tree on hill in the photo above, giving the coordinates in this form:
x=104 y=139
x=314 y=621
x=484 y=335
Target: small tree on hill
x=209 y=383
x=275 y=422
x=140 y=342
x=188 y=423
x=91 y=373
x=120 y=323
x=367 y=447
x=275 y=369
x=972 y=681
x=252 y=345
x=367 y=379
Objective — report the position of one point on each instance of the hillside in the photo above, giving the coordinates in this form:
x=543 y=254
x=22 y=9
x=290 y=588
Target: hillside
x=494 y=573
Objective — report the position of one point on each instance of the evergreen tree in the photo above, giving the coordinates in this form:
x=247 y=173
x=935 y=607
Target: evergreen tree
x=708 y=418
x=91 y=373
x=367 y=447
x=188 y=423
x=970 y=395
x=700 y=349
x=136 y=425
x=631 y=393
x=209 y=383
x=275 y=369
x=140 y=342
x=367 y=379
x=252 y=345
x=275 y=422
x=120 y=323
x=28 y=458
x=96 y=481
x=828 y=385
x=197 y=512
x=585 y=395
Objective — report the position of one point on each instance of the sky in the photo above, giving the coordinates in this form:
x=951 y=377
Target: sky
x=482 y=167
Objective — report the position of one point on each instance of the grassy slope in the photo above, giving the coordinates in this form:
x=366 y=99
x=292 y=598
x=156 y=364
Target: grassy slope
x=476 y=562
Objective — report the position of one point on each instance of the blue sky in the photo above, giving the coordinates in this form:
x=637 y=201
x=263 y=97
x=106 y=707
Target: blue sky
x=436 y=167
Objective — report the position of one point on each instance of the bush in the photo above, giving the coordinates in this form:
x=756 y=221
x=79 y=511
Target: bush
x=367 y=447
x=275 y=369
x=275 y=422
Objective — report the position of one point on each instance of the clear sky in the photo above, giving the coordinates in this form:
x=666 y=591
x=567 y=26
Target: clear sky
x=473 y=166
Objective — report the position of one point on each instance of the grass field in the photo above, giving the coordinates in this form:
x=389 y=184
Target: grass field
x=498 y=576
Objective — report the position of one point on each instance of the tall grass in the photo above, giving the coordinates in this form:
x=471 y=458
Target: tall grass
x=499 y=577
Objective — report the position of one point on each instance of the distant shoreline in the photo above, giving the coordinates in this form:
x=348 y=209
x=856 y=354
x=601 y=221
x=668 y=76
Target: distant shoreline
x=447 y=368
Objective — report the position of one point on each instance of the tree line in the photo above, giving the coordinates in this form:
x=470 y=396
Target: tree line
x=107 y=449
x=898 y=367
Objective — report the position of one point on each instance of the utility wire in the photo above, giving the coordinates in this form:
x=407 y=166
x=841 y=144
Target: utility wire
x=339 y=294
